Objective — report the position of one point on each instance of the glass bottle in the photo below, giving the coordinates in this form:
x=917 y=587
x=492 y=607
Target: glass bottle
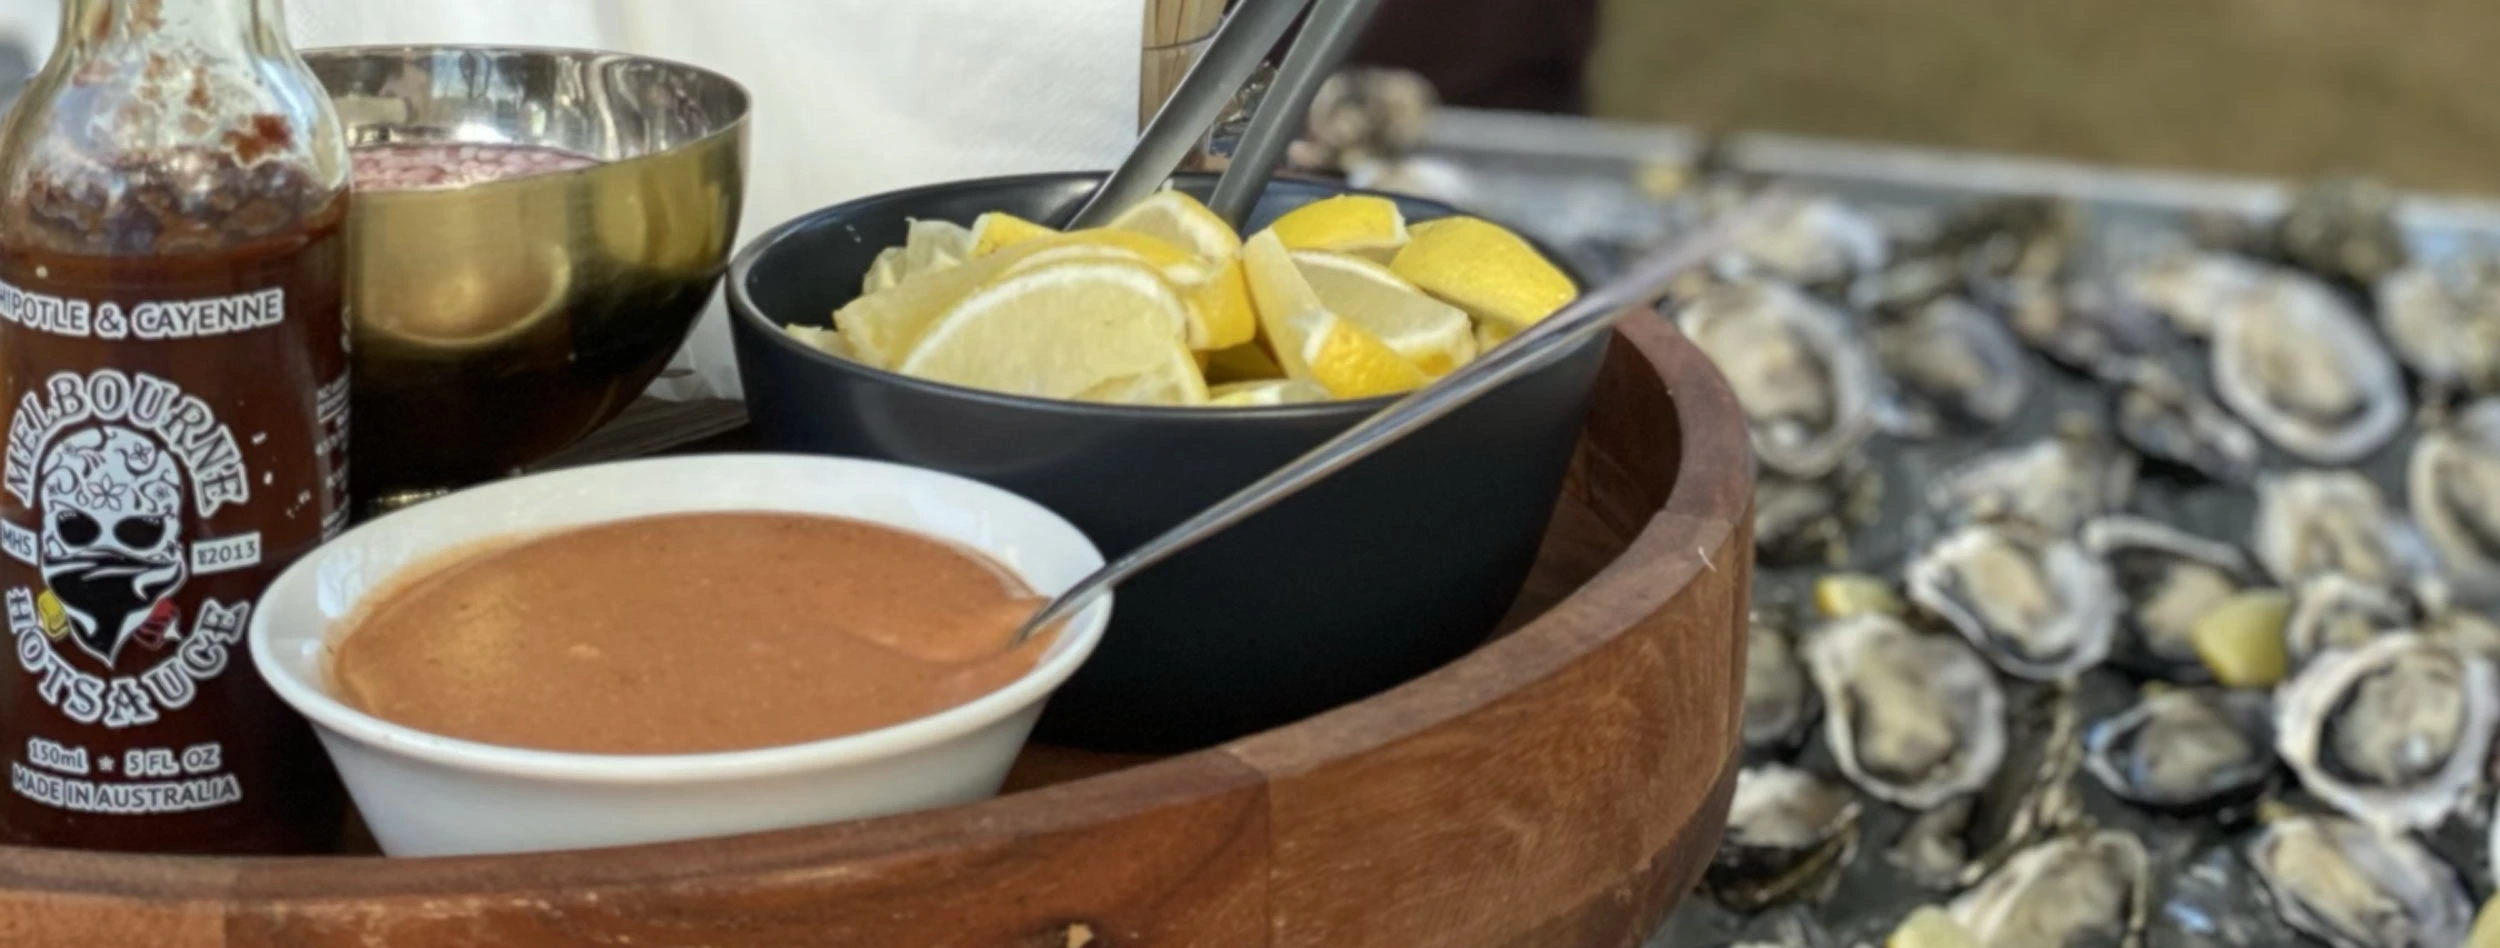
x=173 y=383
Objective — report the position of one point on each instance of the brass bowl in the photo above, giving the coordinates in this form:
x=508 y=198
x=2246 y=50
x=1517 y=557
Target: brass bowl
x=496 y=323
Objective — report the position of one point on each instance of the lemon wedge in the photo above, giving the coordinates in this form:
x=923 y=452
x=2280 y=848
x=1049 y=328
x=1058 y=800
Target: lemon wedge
x=1000 y=229
x=883 y=272
x=1266 y=392
x=1359 y=224
x=1435 y=336
x=1180 y=220
x=930 y=246
x=1086 y=330
x=827 y=340
x=1310 y=341
x=1248 y=362
x=881 y=326
x=1491 y=273
x=1219 y=300
x=1221 y=315
x=1490 y=334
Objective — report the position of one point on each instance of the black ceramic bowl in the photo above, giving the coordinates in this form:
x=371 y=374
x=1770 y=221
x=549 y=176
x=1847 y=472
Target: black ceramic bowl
x=1392 y=567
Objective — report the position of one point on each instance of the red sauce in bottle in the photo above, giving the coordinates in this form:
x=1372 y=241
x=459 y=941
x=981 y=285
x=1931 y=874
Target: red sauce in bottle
x=173 y=385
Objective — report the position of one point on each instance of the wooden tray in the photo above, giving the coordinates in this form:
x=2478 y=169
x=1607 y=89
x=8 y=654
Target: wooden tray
x=1561 y=786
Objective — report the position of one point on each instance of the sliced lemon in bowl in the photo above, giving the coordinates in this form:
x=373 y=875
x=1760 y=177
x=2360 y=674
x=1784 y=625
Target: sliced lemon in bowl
x=1085 y=330
x=1248 y=362
x=1359 y=224
x=883 y=325
x=1434 y=335
x=998 y=229
x=1180 y=220
x=933 y=245
x=1477 y=266
x=1309 y=340
x=1267 y=392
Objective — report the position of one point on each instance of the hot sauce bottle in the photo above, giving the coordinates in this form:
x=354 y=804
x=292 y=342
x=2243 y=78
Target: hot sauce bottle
x=173 y=384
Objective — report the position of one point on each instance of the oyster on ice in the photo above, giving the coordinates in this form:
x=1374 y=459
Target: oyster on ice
x=2185 y=748
x=2084 y=324
x=1787 y=831
x=1956 y=365
x=2189 y=287
x=2315 y=522
x=2344 y=227
x=2076 y=890
x=2038 y=606
x=2353 y=886
x=2301 y=367
x=1913 y=719
x=1813 y=241
x=2159 y=415
x=1806 y=380
x=2394 y=733
x=2453 y=480
x=2443 y=321
x=2166 y=580
x=2054 y=484
x=1779 y=701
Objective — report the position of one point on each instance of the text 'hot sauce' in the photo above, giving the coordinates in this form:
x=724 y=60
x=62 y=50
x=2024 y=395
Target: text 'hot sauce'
x=173 y=387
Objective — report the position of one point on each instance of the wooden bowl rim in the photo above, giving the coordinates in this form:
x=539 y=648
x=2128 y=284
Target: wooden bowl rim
x=1710 y=493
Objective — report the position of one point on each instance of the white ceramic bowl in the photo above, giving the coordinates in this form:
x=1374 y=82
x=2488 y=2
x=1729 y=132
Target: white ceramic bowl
x=424 y=794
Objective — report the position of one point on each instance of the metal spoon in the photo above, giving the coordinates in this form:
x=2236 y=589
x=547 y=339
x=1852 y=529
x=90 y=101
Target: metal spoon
x=1592 y=313
x=1325 y=39
x=1240 y=42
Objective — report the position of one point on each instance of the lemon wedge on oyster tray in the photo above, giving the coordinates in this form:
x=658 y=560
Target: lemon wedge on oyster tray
x=1340 y=299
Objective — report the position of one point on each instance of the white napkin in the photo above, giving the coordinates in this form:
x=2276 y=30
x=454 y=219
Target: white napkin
x=852 y=97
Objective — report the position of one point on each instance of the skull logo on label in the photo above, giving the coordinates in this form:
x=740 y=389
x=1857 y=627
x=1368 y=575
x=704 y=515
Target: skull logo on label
x=112 y=553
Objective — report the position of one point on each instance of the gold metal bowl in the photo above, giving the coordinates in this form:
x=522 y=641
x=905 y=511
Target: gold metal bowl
x=496 y=323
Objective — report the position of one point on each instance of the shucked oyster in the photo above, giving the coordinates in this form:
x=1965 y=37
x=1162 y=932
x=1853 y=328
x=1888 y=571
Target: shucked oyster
x=2352 y=886
x=2084 y=324
x=2166 y=581
x=2344 y=227
x=1787 y=831
x=2315 y=522
x=2334 y=611
x=2185 y=748
x=2190 y=288
x=2454 y=483
x=2076 y=890
x=1913 y=719
x=2393 y=733
x=1807 y=382
x=1813 y=241
x=2038 y=606
x=2304 y=370
x=1957 y=366
x=2054 y=484
x=1779 y=701
x=2444 y=322
x=2170 y=422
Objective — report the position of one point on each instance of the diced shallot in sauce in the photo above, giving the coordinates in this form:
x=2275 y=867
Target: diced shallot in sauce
x=412 y=167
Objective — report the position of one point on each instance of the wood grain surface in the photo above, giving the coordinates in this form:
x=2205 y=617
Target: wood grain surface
x=1562 y=786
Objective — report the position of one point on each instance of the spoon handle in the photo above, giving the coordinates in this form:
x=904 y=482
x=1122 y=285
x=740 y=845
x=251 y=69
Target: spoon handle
x=1285 y=109
x=1240 y=42
x=1592 y=313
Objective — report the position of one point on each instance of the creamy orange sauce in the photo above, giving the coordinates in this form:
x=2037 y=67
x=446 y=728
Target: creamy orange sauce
x=686 y=633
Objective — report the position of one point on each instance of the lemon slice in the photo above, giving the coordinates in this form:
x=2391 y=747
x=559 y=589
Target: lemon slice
x=1178 y=219
x=1000 y=229
x=1267 y=392
x=1490 y=334
x=930 y=246
x=881 y=326
x=1434 y=335
x=826 y=340
x=1221 y=315
x=1087 y=330
x=1218 y=298
x=1489 y=272
x=883 y=272
x=1248 y=362
x=1310 y=341
x=1359 y=224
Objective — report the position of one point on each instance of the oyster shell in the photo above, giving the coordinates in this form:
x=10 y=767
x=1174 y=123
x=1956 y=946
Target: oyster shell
x=2301 y=367
x=2185 y=748
x=2078 y=889
x=2334 y=611
x=2344 y=227
x=1957 y=367
x=2190 y=288
x=2160 y=415
x=2443 y=321
x=1912 y=719
x=2314 y=522
x=2054 y=484
x=2353 y=886
x=1809 y=520
x=2167 y=580
x=1779 y=702
x=2394 y=733
x=2084 y=324
x=1788 y=831
x=1806 y=381
x=1813 y=241
x=2453 y=480
x=2039 y=607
